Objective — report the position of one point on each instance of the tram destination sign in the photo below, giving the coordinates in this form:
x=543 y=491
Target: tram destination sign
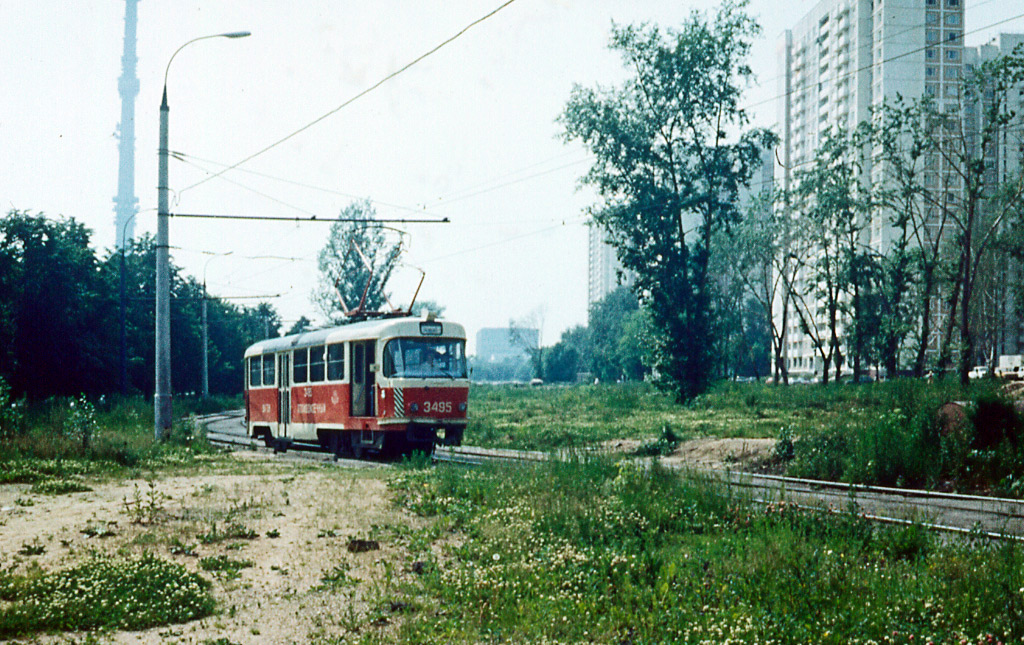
x=431 y=328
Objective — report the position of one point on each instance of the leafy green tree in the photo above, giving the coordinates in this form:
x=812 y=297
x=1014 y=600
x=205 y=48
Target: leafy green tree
x=53 y=317
x=634 y=353
x=608 y=318
x=828 y=207
x=525 y=334
x=262 y=321
x=356 y=263
x=969 y=142
x=751 y=252
x=231 y=328
x=301 y=325
x=421 y=306
x=138 y=261
x=564 y=362
x=669 y=159
x=908 y=271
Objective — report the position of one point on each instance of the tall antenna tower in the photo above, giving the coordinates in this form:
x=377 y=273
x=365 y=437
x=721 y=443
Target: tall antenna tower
x=126 y=203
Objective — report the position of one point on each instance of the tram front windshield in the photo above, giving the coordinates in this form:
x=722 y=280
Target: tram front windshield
x=425 y=358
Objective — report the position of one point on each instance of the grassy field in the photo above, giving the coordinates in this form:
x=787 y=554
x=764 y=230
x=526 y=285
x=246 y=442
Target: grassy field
x=601 y=551
x=575 y=416
x=879 y=433
x=596 y=549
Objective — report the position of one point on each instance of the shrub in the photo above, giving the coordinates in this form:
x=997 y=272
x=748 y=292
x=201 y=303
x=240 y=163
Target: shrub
x=11 y=413
x=223 y=565
x=897 y=450
x=233 y=531
x=665 y=444
x=80 y=420
x=994 y=420
x=821 y=456
x=103 y=592
x=784 y=450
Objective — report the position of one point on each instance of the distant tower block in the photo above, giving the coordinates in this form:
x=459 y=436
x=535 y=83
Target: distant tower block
x=126 y=204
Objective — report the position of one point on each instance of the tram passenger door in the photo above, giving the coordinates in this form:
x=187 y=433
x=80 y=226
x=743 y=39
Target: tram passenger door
x=284 y=394
x=363 y=400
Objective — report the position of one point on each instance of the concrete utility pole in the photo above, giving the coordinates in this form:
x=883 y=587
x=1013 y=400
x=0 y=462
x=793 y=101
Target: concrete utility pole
x=162 y=396
x=206 y=332
x=126 y=203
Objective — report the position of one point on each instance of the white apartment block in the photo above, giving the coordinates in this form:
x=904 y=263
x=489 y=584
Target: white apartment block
x=842 y=58
x=1001 y=308
x=603 y=266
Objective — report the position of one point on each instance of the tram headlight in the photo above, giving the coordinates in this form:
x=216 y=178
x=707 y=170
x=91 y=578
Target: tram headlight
x=414 y=407
x=462 y=407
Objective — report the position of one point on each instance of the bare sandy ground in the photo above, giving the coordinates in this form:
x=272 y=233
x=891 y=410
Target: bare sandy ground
x=711 y=452
x=304 y=517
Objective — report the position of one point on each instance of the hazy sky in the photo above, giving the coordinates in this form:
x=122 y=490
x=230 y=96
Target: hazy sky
x=469 y=133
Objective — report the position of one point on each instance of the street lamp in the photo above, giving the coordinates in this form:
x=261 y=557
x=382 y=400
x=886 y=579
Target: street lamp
x=124 y=311
x=162 y=396
x=206 y=333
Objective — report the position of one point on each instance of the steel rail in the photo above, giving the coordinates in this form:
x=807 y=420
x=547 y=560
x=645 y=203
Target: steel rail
x=998 y=507
x=981 y=516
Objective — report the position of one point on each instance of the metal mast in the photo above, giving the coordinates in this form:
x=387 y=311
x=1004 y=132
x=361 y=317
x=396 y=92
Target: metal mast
x=126 y=203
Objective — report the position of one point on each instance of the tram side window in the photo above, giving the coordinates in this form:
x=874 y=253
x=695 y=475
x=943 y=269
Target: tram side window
x=268 y=369
x=316 y=363
x=336 y=362
x=255 y=371
x=300 y=365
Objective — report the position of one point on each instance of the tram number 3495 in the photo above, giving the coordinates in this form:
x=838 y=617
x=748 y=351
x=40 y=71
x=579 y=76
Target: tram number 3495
x=437 y=407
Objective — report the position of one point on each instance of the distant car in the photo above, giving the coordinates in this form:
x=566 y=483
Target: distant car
x=1015 y=373
x=977 y=372
x=536 y=381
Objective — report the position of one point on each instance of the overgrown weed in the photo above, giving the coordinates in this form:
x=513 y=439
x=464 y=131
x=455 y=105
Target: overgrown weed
x=62 y=438
x=594 y=550
x=102 y=592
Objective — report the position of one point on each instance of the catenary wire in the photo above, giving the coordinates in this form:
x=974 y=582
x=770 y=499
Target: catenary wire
x=353 y=99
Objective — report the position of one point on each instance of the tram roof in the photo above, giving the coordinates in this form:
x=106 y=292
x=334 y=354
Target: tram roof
x=367 y=329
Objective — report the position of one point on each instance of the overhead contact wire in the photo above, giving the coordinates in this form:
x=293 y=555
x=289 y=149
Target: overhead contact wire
x=354 y=98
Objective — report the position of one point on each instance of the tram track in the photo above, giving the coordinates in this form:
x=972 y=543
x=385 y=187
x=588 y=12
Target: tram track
x=952 y=513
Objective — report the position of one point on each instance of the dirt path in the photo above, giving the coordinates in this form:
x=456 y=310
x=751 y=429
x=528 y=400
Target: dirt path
x=303 y=586
x=303 y=518
x=711 y=452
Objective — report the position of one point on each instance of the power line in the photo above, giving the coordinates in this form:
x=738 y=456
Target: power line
x=314 y=218
x=354 y=98
x=503 y=241
x=459 y=194
x=181 y=157
x=184 y=157
x=510 y=183
x=441 y=201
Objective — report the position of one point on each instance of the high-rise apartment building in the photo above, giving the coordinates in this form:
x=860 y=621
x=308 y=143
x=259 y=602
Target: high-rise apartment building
x=603 y=266
x=1001 y=307
x=842 y=58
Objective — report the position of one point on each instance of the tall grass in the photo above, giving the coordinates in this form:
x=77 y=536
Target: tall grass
x=598 y=551
x=557 y=417
x=68 y=437
x=102 y=592
x=902 y=442
x=879 y=433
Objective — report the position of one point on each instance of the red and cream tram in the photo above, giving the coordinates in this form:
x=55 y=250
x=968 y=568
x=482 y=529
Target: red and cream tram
x=391 y=385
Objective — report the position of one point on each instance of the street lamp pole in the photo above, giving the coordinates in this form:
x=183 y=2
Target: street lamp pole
x=162 y=396
x=124 y=311
x=206 y=333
